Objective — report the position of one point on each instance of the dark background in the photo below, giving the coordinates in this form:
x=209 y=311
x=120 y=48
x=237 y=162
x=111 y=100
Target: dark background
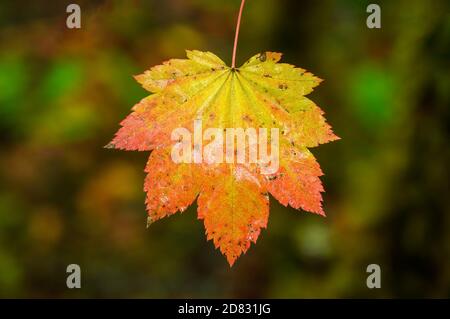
x=64 y=199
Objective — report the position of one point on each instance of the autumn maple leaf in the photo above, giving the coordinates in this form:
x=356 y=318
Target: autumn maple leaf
x=232 y=198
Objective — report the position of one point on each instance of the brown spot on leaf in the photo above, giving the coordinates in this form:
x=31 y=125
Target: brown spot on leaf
x=262 y=57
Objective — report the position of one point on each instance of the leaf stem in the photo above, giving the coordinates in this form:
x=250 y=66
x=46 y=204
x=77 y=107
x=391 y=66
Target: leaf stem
x=236 y=37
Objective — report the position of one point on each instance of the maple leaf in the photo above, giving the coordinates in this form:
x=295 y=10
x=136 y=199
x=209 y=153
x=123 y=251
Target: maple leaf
x=233 y=198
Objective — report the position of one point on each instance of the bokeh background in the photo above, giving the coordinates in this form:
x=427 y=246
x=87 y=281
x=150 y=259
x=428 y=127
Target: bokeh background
x=65 y=199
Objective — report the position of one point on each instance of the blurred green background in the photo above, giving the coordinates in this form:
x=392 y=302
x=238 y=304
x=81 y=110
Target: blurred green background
x=65 y=199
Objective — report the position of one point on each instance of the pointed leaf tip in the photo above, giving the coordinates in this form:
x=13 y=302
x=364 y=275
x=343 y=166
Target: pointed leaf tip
x=110 y=145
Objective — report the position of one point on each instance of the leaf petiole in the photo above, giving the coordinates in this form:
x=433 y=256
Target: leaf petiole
x=236 y=37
